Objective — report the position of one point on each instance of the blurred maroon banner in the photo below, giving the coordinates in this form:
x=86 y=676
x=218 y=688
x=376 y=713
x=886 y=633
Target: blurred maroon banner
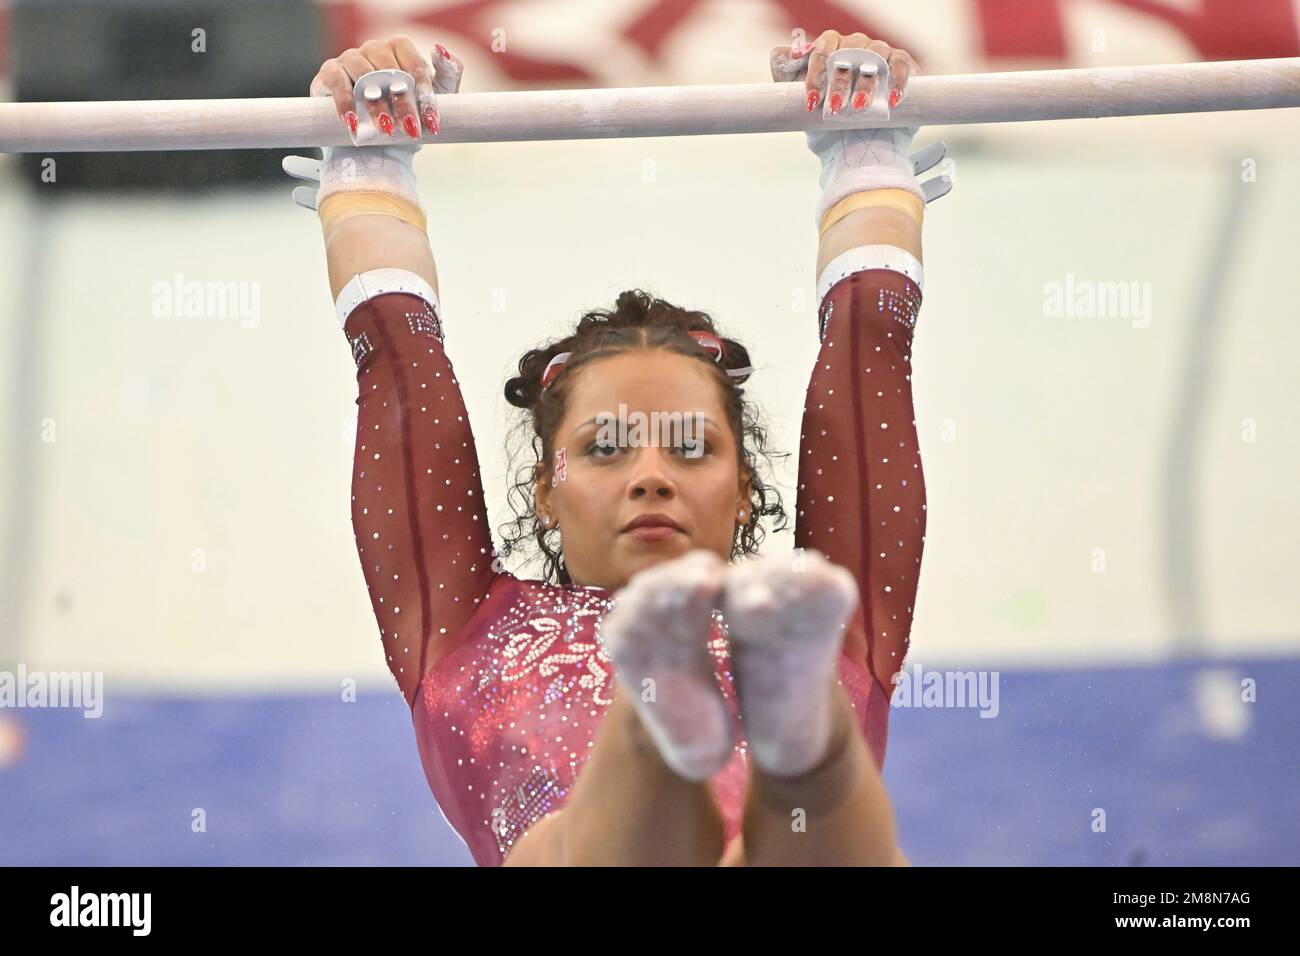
x=999 y=30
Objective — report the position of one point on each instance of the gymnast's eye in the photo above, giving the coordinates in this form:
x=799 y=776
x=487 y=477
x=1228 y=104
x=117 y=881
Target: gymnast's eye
x=597 y=446
x=694 y=447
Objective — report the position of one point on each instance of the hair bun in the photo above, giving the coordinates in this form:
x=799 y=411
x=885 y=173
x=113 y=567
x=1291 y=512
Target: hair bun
x=517 y=392
x=525 y=389
x=737 y=357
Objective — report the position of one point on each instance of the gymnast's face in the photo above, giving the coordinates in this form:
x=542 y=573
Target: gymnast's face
x=604 y=485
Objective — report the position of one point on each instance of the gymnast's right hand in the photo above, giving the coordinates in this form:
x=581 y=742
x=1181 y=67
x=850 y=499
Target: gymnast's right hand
x=338 y=75
x=376 y=168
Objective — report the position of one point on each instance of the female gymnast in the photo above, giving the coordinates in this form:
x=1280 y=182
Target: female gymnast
x=647 y=702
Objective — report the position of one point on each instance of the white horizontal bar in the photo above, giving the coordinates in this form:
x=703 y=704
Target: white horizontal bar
x=656 y=111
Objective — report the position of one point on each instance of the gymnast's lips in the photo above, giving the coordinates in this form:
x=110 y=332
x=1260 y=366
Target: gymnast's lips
x=655 y=520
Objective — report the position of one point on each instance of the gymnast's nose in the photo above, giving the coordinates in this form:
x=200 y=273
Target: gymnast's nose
x=651 y=477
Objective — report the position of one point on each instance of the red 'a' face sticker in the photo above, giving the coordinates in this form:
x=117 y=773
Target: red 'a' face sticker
x=561 y=466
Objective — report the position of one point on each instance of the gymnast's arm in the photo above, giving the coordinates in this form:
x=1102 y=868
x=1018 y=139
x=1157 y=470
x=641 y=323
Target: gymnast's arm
x=861 y=498
x=873 y=225
x=861 y=493
x=418 y=513
x=361 y=243
x=357 y=243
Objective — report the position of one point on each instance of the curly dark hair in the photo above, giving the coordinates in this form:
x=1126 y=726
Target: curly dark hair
x=638 y=320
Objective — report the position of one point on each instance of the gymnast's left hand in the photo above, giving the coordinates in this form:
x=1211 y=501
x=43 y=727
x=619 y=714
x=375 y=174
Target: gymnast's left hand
x=854 y=159
x=810 y=60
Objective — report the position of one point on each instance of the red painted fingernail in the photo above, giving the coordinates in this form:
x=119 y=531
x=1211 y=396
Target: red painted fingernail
x=431 y=120
x=801 y=51
x=894 y=97
x=351 y=119
x=859 y=99
x=812 y=101
x=836 y=101
x=411 y=126
x=386 y=123
x=442 y=51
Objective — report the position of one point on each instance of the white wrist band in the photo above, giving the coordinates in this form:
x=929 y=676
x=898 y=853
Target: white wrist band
x=861 y=258
x=375 y=282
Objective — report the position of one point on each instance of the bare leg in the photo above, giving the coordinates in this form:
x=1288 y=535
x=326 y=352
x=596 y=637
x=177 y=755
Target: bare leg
x=628 y=808
x=642 y=798
x=815 y=796
x=835 y=814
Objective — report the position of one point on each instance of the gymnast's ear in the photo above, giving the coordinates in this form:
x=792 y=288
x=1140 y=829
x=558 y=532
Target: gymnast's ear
x=541 y=490
x=746 y=489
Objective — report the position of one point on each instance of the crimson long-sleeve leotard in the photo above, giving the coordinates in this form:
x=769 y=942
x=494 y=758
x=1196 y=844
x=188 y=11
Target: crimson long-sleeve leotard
x=506 y=677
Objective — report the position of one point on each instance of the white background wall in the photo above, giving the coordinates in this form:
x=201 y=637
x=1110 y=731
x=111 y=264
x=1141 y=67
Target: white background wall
x=174 y=434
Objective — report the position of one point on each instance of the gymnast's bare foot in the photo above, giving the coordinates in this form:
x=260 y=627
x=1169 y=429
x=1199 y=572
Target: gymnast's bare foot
x=786 y=615
x=657 y=635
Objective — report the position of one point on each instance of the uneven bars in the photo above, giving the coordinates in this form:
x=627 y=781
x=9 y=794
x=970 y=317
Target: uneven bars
x=255 y=123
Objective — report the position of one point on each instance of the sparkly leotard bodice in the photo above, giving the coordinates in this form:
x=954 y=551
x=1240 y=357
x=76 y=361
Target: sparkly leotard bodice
x=507 y=678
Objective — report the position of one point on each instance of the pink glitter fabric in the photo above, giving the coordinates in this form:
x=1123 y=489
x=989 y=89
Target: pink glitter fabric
x=507 y=678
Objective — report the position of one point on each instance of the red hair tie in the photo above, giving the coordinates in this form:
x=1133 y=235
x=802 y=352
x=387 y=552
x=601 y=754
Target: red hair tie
x=718 y=349
x=553 y=368
x=711 y=344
